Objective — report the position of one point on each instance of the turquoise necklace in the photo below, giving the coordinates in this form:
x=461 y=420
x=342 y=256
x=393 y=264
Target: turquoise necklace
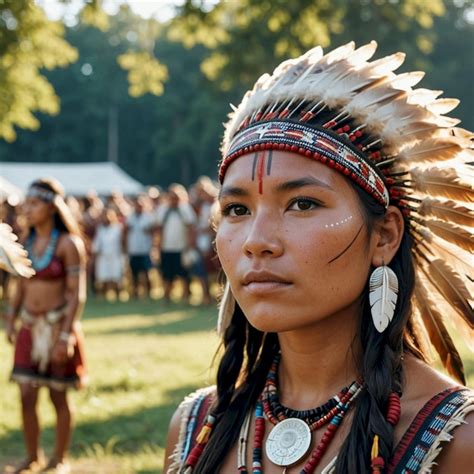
x=41 y=262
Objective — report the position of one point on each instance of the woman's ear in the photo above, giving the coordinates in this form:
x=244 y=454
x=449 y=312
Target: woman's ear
x=388 y=234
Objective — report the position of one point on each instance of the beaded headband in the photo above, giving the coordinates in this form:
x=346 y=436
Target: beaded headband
x=396 y=143
x=40 y=193
x=316 y=143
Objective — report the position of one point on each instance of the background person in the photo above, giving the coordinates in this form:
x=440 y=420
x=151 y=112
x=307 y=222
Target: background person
x=107 y=249
x=139 y=228
x=48 y=344
x=175 y=220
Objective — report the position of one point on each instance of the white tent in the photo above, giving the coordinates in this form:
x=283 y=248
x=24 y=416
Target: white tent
x=77 y=178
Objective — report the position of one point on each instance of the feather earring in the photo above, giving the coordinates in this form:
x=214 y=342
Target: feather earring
x=383 y=294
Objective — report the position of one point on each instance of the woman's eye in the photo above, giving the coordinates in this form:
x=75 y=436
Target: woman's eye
x=235 y=210
x=303 y=205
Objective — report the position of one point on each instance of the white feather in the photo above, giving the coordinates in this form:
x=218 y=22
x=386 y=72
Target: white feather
x=383 y=293
x=407 y=80
x=443 y=106
x=423 y=96
x=13 y=257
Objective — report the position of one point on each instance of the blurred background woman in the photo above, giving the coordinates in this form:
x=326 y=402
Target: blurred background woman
x=48 y=342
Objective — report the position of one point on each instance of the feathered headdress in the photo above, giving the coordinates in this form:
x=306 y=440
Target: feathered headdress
x=396 y=143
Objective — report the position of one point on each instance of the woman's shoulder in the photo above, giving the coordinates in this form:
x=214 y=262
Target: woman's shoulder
x=69 y=243
x=184 y=426
x=435 y=410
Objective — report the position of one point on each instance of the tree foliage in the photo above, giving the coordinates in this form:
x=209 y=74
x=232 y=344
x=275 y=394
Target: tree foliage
x=272 y=30
x=29 y=42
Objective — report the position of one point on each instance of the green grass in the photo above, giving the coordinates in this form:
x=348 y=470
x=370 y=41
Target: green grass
x=143 y=358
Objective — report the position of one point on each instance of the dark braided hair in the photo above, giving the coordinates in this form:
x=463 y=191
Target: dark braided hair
x=239 y=384
x=381 y=362
x=249 y=354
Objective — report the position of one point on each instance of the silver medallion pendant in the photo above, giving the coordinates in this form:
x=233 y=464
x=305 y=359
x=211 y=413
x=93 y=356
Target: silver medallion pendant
x=288 y=442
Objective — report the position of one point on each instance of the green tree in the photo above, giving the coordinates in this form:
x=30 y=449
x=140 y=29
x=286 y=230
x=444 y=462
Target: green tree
x=271 y=30
x=268 y=31
x=161 y=139
x=29 y=42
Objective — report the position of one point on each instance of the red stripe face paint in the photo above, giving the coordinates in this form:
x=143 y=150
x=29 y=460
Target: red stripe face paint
x=260 y=168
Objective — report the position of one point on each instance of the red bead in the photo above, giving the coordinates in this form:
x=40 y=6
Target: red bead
x=378 y=462
x=294 y=148
x=308 y=153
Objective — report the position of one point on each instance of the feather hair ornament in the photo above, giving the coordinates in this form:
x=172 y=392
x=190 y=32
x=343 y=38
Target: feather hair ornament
x=439 y=335
x=394 y=141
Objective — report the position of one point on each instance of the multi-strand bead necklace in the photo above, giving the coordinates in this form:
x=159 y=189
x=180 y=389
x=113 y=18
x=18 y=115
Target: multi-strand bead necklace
x=289 y=440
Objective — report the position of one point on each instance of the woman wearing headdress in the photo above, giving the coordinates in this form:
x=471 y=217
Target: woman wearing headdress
x=344 y=236
x=48 y=341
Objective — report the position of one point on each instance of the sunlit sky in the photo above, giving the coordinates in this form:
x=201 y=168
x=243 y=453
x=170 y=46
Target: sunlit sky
x=160 y=9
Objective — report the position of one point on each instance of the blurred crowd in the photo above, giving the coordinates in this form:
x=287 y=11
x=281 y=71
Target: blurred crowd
x=157 y=244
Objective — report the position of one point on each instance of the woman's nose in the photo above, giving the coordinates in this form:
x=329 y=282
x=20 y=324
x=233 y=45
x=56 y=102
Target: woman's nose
x=263 y=238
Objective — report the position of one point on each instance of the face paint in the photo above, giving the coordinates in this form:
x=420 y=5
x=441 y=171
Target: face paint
x=258 y=168
x=269 y=162
x=348 y=247
x=334 y=224
x=254 y=165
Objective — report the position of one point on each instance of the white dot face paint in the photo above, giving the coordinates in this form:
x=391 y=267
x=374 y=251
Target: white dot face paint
x=338 y=223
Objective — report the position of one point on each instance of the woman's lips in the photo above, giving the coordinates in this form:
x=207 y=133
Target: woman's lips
x=264 y=282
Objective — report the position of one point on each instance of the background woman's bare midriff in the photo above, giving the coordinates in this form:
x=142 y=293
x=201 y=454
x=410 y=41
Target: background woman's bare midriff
x=44 y=295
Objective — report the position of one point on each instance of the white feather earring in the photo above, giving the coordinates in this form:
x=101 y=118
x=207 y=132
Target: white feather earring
x=383 y=294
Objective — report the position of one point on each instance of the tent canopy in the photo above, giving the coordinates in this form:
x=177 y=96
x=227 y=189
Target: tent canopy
x=78 y=179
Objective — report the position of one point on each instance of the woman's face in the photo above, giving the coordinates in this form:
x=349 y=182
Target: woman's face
x=37 y=211
x=292 y=240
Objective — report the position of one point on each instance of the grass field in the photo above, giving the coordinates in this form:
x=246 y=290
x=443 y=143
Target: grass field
x=144 y=357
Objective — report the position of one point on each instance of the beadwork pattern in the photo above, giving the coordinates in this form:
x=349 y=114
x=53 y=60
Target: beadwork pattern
x=316 y=143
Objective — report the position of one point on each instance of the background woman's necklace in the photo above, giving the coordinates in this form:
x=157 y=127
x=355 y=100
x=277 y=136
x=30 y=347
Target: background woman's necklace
x=41 y=262
x=290 y=438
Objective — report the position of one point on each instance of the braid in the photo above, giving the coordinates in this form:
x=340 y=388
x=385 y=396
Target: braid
x=238 y=386
x=381 y=370
x=232 y=360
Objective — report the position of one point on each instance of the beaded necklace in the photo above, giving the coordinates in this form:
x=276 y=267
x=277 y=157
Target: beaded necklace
x=333 y=419
x=276 y=412
x=41 y=262
x=292 y=441
x=331 y=416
